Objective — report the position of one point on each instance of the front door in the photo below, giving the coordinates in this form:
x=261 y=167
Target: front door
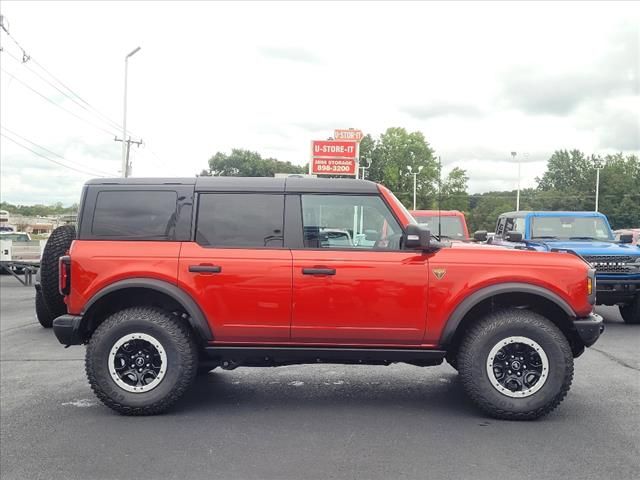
x=352 y=284
x=238 y=269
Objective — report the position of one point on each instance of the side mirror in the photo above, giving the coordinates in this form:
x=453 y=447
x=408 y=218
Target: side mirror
x=417 y=238
x=514 y=237
x=480 y=236
x=626 y=238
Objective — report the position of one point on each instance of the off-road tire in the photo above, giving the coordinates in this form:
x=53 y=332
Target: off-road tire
x=178 y=342
x=42 y=311
x=57 y=245
x=474 y=352
x=630 y=313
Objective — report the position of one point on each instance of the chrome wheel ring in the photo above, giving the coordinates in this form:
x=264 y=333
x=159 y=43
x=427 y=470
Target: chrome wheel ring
x=517 y=367
x=137 y=362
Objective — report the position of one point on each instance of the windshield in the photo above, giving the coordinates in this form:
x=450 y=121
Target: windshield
x=450 y=227
x=16 y=237
x=570 y=228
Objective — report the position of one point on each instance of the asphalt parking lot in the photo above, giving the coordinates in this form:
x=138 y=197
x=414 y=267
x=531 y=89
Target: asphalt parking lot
x=308 y=422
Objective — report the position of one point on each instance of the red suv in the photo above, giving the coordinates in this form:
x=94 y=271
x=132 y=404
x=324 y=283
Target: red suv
x=168 y=277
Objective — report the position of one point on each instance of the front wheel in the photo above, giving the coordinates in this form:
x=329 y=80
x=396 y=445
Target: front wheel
x=631 y=313
x=516 y=365
x=141 y=360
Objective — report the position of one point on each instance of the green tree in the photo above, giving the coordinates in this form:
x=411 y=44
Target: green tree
x=245 y=163
x=454 y=191
x=392 y=153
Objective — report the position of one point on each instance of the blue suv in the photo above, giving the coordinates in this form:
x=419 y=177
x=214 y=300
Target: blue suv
x=588 y=234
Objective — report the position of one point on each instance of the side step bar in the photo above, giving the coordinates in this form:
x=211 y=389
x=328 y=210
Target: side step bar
x=232 y=357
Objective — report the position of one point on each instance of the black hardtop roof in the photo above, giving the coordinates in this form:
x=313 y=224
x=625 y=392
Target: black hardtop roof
x=253 y=184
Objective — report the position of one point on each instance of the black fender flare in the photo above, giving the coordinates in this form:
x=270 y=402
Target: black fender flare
x=197 y=319
x=501 y=288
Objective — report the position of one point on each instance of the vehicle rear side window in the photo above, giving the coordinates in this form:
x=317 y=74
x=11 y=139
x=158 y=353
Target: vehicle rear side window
x=136 y=215
x=240 y=220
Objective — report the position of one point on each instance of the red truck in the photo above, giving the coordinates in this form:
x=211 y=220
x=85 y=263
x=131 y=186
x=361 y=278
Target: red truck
x=449 y=224
x=168 y=277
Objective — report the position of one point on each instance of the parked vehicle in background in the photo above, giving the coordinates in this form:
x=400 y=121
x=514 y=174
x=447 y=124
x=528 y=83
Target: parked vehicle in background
x=18 y=251
x=449 y=224
x=634 y=232
x=168 y=277
x=617 y=262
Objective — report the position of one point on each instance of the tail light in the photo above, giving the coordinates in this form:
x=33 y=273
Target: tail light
x=64 y=274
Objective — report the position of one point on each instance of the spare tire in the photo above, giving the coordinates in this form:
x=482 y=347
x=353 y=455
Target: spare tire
x=57 y=245
x=42 y=311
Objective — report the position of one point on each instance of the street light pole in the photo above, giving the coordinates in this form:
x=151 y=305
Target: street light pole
x=599 y=167
x=513 y=154
x=124 y=119
x=415 y=181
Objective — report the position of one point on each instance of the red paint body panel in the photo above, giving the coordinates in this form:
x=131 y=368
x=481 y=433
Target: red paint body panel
x=374 y=297
x=97 y=264
x=249 y=299
x=469 y=269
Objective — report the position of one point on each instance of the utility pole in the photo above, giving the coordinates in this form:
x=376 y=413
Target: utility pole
x=127 y=164
x=125 y=150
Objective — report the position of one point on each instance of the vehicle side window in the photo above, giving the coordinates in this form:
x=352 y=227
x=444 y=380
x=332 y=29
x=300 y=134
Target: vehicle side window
x=249 y=220
x=500 y=226
x=514 y=225
x=349 y=221
x=138 y=215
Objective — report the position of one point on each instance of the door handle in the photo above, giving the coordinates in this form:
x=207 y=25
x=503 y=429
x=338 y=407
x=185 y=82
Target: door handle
x=318 y=271
x=205 y=268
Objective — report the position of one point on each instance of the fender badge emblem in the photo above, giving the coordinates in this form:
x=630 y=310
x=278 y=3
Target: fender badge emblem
x=439 y=273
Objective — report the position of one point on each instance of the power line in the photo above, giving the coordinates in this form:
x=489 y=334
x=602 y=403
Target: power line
x=110 y=133
x=52 y=152
x=26 y=58
x=50 y=159
x=111 y=123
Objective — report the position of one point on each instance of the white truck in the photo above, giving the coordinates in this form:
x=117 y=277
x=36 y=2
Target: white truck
x=19 y=254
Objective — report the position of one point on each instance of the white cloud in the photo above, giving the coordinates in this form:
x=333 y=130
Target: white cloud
x=271 y=76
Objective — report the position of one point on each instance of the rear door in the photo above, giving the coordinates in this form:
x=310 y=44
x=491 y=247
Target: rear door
x=352 y=284
x=237 y=268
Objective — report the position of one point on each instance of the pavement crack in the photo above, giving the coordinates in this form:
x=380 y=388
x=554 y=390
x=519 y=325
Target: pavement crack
x=615 y=359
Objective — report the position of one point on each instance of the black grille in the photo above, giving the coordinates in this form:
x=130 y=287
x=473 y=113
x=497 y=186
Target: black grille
x=612 y=263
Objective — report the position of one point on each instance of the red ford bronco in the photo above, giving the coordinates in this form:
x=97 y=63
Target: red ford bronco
x=169 y=277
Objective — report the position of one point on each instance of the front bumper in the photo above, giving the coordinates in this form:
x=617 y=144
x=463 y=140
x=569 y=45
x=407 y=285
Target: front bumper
x=589 y=328
x=67 y=330
x=612 y=291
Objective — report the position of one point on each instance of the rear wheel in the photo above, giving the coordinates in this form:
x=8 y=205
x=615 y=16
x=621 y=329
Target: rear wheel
x=58 y=244
x=631 y=313
x=516 y=365
x=42 y=311
x=141 y=360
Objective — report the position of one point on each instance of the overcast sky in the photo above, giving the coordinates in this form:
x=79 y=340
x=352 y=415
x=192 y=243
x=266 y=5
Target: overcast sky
x=479 y=80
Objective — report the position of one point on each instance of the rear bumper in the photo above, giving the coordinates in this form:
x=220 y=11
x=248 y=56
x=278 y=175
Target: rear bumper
x=589 y=328
x=67 y=329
